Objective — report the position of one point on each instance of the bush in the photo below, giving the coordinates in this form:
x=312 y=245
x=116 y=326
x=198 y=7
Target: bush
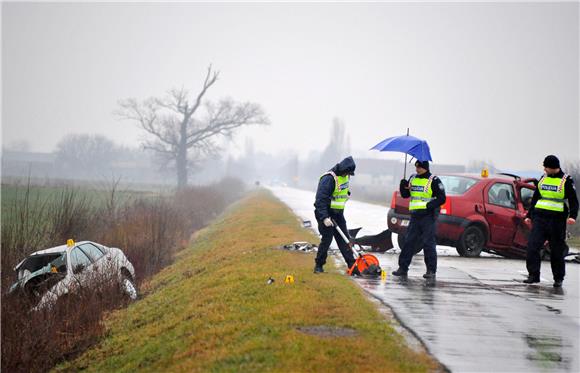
x=36 y=340
x=148 y=232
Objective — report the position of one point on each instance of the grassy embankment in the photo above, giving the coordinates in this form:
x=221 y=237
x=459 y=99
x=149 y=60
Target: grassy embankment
x=213 y=311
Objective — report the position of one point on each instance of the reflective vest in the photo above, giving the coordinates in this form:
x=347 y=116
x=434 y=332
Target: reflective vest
x=421 y=193
x=340 y=193
x=551 y=193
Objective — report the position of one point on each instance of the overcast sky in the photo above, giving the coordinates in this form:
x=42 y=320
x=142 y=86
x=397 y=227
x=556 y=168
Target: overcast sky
x=488 y=81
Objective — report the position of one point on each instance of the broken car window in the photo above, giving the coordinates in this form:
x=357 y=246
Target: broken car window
x=92 y=251
x=78 y=260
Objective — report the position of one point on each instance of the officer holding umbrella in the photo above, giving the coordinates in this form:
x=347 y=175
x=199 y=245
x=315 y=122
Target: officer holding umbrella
x=427 y=195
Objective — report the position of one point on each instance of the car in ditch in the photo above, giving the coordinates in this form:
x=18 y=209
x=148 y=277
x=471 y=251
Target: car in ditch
x=481 y=213
x=46 y=275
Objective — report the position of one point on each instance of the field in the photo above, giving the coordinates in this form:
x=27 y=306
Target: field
x=38 y=195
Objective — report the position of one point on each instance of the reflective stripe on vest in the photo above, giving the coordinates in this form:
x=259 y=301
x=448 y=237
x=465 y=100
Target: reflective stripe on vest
x=551 y=193
x=340 y=193
x=421 y=193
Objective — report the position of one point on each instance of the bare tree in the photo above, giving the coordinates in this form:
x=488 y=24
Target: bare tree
x=180 y=136
x=572 y=168
x=339 y=145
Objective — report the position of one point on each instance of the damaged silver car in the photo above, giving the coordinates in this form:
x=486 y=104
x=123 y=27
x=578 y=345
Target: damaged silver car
x=46 y=275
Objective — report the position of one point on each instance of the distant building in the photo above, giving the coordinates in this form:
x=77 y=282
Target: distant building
x=23 y=164
x=447 y=168
x=129 y=168
x=387 y=172
x=377 y=172
x=376 y=179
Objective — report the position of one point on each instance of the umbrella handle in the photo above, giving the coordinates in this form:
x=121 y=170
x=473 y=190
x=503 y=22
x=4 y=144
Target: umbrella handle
x=405 y=171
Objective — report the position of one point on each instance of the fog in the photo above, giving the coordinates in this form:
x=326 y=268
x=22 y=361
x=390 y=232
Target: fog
x=497 y=82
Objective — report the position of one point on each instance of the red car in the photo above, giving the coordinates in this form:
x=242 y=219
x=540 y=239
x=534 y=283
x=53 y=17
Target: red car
x=480 y=214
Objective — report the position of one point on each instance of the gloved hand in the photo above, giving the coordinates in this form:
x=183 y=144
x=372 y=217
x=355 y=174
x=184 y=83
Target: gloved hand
x=327 y=222
x=404 y=183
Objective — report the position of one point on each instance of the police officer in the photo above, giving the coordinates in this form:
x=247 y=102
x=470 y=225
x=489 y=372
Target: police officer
x=549 y=215
x=427 y=195
x=331 y=196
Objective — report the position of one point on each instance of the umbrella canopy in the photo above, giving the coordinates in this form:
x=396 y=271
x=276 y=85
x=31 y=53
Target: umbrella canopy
x=411 y=145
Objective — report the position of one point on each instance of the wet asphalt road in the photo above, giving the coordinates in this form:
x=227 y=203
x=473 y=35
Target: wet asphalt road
x=477 y=315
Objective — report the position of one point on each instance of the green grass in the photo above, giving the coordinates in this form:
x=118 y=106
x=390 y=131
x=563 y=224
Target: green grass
x=213 y=311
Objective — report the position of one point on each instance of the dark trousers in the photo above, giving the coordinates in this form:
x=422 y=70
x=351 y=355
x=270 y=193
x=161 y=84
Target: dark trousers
x=327 y=234
x=421 y=230
x=553 y=230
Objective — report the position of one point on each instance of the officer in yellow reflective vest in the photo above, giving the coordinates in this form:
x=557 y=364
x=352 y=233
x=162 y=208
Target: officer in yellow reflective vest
x=549 y=215
x=427 y=195
x=331 y=196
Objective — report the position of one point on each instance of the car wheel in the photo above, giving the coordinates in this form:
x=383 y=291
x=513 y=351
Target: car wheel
x=128 y=287
x=401 y=241
x=472 y=242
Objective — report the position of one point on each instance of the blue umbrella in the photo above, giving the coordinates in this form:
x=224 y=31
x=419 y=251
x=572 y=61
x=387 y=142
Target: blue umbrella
x=413 y=146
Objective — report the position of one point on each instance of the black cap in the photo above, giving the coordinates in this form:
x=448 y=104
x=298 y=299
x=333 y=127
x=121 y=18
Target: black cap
x=423 y=164
x=551 y=161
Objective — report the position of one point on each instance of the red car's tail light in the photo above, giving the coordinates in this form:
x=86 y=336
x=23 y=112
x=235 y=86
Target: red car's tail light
x=394 y=200
x=446 y=207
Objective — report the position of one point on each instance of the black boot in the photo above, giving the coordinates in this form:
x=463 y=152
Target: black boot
x=400 y=272
x=318 y=269
x=532 y=279
x=557 y=283
x=429 y=275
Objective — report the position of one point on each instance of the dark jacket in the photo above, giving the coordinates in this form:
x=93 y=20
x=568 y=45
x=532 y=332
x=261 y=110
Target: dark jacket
x=326 y=187
x=438 y=194
x=569 y=194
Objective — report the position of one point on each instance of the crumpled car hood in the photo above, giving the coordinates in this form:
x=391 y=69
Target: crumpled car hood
x=47 y=275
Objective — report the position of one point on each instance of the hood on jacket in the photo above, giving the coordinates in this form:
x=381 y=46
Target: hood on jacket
x=344 y=167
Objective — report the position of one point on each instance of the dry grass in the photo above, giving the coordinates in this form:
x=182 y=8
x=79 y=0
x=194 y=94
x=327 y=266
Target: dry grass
x=213 y=311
